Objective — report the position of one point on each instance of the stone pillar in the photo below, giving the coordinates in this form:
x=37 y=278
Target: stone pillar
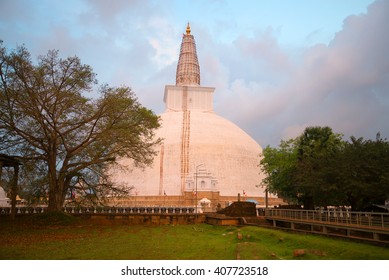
x=1 y=171
x=14 y=190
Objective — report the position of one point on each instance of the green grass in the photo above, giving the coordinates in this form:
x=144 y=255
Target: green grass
x=66 y=238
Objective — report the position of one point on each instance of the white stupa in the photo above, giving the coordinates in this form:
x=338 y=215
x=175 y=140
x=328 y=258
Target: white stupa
x=200 y=150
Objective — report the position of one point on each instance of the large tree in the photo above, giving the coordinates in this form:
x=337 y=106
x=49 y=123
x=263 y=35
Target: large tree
x=46 y=118
x=279 y=165
x=317 y=148
x=300 y=170
x=362 y=172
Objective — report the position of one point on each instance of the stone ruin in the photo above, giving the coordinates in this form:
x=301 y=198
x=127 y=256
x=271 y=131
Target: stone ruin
x=240 y=209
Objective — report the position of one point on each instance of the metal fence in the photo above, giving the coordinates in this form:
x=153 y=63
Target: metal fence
x=345 y=217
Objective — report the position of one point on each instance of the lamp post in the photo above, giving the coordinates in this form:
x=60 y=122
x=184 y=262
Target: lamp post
x=136 y=194
x=196 y=187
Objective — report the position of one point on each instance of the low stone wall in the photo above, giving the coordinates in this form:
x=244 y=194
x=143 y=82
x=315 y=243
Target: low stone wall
x=143 y=219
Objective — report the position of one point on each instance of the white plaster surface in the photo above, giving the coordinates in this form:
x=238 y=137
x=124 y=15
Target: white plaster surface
x=226 y=151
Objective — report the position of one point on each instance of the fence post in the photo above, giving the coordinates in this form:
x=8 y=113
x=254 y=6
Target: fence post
x=382 y=220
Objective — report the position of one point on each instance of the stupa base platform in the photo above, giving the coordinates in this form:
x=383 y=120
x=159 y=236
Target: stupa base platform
x=215 y=203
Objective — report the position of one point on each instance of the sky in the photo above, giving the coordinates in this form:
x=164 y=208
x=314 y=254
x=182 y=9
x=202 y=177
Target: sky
x=278 y=66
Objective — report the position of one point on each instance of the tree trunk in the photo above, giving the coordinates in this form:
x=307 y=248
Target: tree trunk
x=56 y=197
x=56 y=185
x=55 y=201
x=308 y=203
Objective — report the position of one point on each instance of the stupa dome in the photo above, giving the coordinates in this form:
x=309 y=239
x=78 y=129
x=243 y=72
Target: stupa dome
x=217 y=147
x=201 y=152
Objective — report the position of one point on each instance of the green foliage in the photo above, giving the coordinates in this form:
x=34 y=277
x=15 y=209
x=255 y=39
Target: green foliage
x=316 y=148
x=280 y=166
x=319 y=169
x=362 y=172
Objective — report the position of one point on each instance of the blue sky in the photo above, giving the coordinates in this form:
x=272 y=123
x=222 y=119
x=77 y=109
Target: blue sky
x=277 y=66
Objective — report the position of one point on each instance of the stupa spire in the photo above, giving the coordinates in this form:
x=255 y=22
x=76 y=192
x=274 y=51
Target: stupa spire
x=188 y=68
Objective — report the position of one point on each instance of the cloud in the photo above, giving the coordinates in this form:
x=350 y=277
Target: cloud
x=270 y=89
x=344 y=84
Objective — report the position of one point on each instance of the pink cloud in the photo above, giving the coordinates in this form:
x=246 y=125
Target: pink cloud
x=344 y=84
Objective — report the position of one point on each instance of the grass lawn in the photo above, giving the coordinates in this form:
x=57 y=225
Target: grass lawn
x=81 y=240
